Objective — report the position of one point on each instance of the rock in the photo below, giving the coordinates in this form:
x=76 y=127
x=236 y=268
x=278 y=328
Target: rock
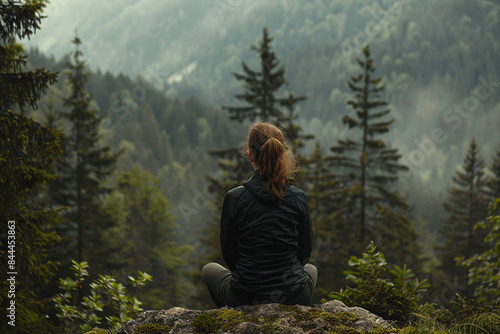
x=366 y=319
x=329 y=317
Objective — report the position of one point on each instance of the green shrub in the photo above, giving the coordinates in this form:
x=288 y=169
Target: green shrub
x=483 y=268
x=392 y=299
x=477 y=318
x=89 y=312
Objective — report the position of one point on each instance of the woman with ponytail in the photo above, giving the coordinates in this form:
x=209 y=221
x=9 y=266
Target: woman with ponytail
x=266 y=232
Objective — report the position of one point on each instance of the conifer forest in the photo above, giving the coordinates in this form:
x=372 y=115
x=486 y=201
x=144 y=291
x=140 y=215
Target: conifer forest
x=121 y=127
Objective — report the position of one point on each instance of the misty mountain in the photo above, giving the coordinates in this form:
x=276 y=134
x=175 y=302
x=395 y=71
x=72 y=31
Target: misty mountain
x=439 y=61
x=430 y=53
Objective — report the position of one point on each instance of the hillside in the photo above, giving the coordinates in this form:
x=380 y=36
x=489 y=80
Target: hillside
x=432 y=56
x=429 y=53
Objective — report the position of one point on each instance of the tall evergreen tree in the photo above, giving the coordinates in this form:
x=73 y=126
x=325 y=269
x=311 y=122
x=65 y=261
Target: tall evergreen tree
x=155 y=140
x=143 y=238
x=293 y=132
x=483 y=267
x=260 y=87
x=367 y=167
x=467 y=205
x=28 y=151
x=20 y=87
x=494 y=181
x=86 y=164
x=327 y=254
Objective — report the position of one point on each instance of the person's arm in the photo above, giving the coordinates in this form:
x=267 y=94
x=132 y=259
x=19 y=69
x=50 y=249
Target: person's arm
x=305 y=235
x=228 y=236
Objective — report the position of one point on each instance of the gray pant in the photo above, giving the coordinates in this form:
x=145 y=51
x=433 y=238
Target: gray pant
x=218 y=279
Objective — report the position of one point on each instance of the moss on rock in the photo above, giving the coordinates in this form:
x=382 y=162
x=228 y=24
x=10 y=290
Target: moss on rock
x=334 y=319
x=270 y=328
x=265 y=319
x=205 y=323
x=225 y=319
x=220 y=319
x=97 y=330
x=341 y=329
x=152 y=329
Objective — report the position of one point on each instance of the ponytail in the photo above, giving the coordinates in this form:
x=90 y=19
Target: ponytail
x=275 y=161
x=272 y=163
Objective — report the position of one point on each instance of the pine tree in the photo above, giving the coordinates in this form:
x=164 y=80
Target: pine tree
x=154 y=140
x=367 y=167
x=327 y=252
x=260 y=87
x=292 y=131
x=20 y=87
x=28 y=151
x=494 y=181
x=467 y=205
x=234 y=170
x=483 y=267
x=144 y=238
x=85 y=167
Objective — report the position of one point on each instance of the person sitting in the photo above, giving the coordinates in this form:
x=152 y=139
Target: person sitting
x=266 y=232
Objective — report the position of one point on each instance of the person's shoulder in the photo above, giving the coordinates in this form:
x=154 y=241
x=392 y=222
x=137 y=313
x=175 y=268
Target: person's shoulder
x=298 y=192
x=235 y=192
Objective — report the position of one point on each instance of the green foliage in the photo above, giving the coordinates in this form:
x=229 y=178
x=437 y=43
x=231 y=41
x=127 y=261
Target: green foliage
x=20 y=19
x=86 y=164
x=477 y=318
x=291 y=130
x=106 y=294
x=494 y=183
x=260 y=87
x=320 y=184
x=142 y=236
x=20 y=87
x=483 y=268
x=28 y=151
x=368 y=169
x=392 y=299
x=466 y=206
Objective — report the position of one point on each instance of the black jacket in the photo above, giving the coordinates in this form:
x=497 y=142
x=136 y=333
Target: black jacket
x=265 y=242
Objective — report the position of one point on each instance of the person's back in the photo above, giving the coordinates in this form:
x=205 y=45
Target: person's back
x=266 y=232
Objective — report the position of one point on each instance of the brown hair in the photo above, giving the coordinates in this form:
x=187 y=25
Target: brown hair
x=274 y=159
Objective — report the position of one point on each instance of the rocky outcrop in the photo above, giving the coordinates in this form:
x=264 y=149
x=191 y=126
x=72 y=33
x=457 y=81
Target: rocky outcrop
x=331 y=317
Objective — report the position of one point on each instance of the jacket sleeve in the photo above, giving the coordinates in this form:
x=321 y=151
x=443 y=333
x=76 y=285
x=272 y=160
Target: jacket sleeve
x=228 y=235
x=305 y=235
